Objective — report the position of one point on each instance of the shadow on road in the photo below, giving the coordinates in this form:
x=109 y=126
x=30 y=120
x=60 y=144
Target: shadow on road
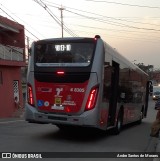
x=76 y=134
x=81 y=134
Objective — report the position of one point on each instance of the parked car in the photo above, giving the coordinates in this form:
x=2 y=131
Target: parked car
x=156 y=95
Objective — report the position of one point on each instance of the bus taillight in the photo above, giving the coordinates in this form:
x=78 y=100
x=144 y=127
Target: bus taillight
x=92 y=99
x=30 y=95
x=60 y=72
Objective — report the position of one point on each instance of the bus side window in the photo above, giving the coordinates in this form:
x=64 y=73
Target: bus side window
x=107 y=82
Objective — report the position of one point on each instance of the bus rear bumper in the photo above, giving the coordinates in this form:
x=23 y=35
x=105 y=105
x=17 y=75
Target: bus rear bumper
x=88 y=118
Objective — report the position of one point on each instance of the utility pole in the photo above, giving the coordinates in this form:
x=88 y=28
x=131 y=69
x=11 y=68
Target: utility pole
x=61 y=10
x=27 y=49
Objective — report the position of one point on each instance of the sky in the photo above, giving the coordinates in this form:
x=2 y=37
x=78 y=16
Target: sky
x=131 y=27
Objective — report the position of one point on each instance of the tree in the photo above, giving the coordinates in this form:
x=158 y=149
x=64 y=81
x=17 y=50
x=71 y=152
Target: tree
x=146 y=68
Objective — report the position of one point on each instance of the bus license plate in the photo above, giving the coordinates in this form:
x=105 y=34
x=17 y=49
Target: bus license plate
x=55 y=107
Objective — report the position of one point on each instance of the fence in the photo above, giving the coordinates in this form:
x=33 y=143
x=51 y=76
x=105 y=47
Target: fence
x=11 y=53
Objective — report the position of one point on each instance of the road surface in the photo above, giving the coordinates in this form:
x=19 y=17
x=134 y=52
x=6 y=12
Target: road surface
x=20 y=136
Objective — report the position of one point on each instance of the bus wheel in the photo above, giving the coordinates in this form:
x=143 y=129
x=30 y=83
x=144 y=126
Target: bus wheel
x=141 y=117
x=118 y=127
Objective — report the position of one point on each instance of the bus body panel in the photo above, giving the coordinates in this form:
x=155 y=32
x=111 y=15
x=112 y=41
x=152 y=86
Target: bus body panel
x=88 y=118
x=60 y=98
x=66 y=98
x=131 y=83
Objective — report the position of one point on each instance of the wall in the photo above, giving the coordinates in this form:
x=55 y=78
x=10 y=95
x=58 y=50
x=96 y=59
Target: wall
x=13 y=39
x=7 y=105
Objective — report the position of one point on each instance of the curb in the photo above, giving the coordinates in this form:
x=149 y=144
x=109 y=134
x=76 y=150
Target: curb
x=11 y=119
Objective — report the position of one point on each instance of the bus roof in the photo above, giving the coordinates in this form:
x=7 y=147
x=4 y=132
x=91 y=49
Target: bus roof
x=113 y=52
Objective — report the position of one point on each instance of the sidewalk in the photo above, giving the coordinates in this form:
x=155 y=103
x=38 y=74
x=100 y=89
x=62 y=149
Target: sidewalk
x=157 y=149
x=11 y=119
x=16 y=117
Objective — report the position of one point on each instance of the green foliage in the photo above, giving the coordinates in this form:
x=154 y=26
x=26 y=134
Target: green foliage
x=145 y=68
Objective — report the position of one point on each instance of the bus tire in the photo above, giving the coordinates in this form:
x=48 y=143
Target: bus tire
x=141 y=116
x=119 y=122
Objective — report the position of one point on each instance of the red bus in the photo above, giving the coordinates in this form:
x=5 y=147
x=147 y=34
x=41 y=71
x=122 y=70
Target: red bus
x=84 y=82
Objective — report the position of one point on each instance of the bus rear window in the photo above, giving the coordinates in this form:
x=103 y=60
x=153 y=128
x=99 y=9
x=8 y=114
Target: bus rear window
x=64 y=54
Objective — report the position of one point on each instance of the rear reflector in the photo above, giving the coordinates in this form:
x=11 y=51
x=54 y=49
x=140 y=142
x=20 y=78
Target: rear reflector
x=92 y=99
x=30 y=95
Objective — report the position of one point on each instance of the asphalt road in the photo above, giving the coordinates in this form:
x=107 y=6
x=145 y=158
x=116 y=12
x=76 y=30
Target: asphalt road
x=20 y=136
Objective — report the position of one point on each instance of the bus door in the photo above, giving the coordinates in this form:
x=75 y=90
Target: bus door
x=149 y=89
x=114 y=93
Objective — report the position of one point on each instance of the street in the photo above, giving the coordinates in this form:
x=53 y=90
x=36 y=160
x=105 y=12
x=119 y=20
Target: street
x=21 y=136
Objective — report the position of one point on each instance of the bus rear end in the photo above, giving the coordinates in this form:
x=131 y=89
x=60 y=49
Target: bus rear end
x=62 y=87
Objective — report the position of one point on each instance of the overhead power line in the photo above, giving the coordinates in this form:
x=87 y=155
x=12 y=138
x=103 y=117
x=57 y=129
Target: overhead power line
x=17 y=22
x=125 y=4
x=22 y=21
x=113 y=23
x=132 y=32
x=102 y=18
x=42 y=4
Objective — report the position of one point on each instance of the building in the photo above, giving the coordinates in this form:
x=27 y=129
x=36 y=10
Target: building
x=12 y=58
x=156 y=77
